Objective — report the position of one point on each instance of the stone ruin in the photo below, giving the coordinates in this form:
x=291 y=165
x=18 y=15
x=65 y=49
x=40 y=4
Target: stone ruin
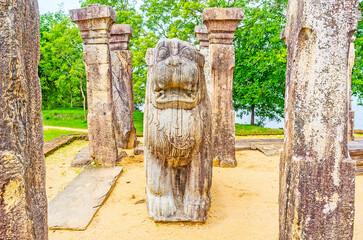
x=95 y=24
x=201 y=33
x=221 y=24
x=317 y=175
x=350 y=111
x=177 y=134
x=23 y=201
x=122 y=86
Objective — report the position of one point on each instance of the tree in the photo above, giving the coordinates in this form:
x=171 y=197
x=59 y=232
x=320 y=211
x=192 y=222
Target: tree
x=357 y=76
x=259 y=76
x=61 y=67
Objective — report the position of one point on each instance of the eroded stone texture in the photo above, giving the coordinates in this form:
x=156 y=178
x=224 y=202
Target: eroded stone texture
x=95 y=24
x=201 y=33
x=350 y=112
x=177 y=134
x=122 y=86
x=221 y=24
x=23 y=201
x=317 y=176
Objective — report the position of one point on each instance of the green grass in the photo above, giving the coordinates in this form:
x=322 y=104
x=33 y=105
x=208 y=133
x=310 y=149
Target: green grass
x=73 y=118
x=50 y=134
x=244 y=130
x=65 y=117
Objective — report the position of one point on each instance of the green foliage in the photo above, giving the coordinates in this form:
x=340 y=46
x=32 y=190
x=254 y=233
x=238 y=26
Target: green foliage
x=61 y=67
x=357 y=77
x=259 y=76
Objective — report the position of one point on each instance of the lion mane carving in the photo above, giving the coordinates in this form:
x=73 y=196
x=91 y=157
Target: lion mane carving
x=177 y=133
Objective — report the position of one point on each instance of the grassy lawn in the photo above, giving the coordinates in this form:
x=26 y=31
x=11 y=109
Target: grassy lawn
x=50 y=134
x=244 y=130
x=73 y=118
x=65 y=117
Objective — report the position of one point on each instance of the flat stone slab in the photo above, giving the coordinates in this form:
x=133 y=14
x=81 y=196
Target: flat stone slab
x=83 y=158
x=53 y=145
x=75 y=206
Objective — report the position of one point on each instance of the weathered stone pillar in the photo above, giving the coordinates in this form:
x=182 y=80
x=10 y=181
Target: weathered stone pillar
x=122 y=86
x=95 y=24
x=23 y=201
x=350 y=112
x=201 y=33
x=221 y=24
x=177 y=134
x=317 y=176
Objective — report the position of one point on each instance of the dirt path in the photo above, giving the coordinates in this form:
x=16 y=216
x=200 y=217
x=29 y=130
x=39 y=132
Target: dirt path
x=66 y=128
x=244 y=204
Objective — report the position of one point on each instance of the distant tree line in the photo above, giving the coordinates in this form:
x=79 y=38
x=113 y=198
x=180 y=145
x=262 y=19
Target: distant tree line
x=259 y=76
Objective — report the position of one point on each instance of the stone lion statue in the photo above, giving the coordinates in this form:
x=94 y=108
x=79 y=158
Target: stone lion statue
x=177 y=133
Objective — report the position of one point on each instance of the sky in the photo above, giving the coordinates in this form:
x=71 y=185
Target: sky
x=53 y=5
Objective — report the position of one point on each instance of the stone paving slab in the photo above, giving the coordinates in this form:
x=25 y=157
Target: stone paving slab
x=51 y=146
x=75 y=206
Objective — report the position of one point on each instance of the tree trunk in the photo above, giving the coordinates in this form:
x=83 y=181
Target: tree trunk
x=252 y=114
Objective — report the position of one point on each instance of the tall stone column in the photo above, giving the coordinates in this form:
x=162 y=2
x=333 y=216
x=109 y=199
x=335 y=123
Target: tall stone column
x=95 y=24
x=122 y=86
x=201 y=33
x=221 y=24
x=317 y=176
x=350 y=112
x=23 y=201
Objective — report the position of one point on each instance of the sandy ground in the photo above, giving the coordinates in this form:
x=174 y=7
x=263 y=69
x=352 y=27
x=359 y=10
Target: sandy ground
x=244 y=202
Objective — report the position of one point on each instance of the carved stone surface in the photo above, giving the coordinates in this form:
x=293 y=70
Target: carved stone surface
x=23 y=201
x=177 y=134
x=95 y=24
x=201 y=34
x=122 y=86
x=350 y=112
x=221 y=24
x=317 y=176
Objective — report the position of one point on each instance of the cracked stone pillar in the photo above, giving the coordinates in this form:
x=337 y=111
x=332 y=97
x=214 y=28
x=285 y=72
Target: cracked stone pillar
x=317 y=176
x=201 y=33
x=95 y=24
x=221 y=24
x=350 y=112
x=23 y=201
x=122 y=86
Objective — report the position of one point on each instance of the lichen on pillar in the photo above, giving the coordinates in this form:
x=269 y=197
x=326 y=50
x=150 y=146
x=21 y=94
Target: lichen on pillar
x=201 y=33
x=23 y=200
x=95 y=24
x=317 y=175
x=221 y=24
x=122 y=86
x=177 y=134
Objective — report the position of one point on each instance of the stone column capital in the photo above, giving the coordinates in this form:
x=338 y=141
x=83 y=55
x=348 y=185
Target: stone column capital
x=94 y=22
x=120 y=37
x=201 y=33
x=222 y=23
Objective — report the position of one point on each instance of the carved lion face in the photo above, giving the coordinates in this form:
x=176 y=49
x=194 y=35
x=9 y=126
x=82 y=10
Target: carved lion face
x=176 y=75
